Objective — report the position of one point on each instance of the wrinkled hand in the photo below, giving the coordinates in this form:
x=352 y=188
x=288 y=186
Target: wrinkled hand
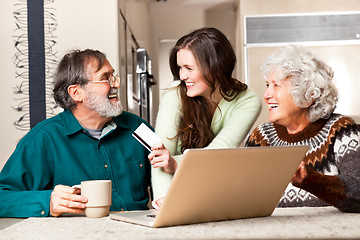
x=160 y=157
x=65 y=199
x=300 y=175
x=158 y=203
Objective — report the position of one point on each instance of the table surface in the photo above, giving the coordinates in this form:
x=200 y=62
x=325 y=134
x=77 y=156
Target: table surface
x=284 y=223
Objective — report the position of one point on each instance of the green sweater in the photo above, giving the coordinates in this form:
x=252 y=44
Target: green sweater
x=230 y=124
x=60 y=151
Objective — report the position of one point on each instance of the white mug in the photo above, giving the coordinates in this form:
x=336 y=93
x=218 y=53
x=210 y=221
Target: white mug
x=98 y=193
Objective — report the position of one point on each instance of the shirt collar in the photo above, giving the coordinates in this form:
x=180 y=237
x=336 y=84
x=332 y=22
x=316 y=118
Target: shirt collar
x=72 y=125
x=121 y=121
x=109 y=126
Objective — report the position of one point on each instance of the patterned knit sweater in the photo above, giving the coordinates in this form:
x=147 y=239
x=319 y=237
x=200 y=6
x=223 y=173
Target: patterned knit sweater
x=332 y=161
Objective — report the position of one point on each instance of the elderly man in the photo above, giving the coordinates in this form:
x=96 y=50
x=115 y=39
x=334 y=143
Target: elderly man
x=91 y=139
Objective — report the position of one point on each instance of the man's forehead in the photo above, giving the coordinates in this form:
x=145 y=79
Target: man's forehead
x=92 y=64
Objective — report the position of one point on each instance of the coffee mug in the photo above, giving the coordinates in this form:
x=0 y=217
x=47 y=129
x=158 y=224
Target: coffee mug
x=98 y=193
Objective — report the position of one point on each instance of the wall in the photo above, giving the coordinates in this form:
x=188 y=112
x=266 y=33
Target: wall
x=342 y=58
x=137 y=14
x=223 y=17
x=88 y=24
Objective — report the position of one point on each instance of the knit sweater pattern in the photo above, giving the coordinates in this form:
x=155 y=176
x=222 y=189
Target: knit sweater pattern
x=333 y=162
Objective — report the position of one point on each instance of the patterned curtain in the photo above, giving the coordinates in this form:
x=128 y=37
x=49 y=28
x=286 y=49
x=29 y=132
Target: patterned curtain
x=35 y=61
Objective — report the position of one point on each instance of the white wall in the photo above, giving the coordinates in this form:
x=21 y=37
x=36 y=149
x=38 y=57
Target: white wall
x=137 y=14
x=165 y=74
x=88 y=24
x=223 y=17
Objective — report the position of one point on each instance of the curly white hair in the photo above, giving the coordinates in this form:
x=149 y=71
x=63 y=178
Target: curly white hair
x=311 y=79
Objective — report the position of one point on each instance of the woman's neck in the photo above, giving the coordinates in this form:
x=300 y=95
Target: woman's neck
x=213 y=101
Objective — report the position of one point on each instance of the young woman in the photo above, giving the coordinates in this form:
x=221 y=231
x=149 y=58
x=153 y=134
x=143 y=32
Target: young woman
x=204 y=108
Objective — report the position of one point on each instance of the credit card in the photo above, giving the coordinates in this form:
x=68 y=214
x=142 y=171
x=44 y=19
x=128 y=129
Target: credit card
x=146 y=136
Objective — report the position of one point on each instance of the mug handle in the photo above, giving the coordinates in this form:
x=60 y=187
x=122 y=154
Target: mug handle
x=78 y=186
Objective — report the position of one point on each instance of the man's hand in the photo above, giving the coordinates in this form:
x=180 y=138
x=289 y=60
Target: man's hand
x=66 y=199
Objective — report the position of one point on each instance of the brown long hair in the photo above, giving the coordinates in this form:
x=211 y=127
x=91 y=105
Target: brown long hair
x=216 y=58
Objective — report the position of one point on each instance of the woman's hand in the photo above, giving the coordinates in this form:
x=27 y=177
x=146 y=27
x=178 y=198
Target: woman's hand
x=160 y=157
x=300 y=175
x=158 y=203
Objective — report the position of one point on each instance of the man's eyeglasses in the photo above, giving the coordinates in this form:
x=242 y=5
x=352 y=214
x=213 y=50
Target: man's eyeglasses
x=111 y=81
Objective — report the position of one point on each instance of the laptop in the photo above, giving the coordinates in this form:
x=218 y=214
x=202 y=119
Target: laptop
x=223 y=184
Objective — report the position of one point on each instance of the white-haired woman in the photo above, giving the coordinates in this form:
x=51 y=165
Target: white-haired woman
x=301 y=99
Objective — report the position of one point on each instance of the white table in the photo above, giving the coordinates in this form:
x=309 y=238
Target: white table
x=284 y=223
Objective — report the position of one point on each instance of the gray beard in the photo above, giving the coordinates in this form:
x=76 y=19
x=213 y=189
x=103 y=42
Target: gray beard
x=102 y=105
